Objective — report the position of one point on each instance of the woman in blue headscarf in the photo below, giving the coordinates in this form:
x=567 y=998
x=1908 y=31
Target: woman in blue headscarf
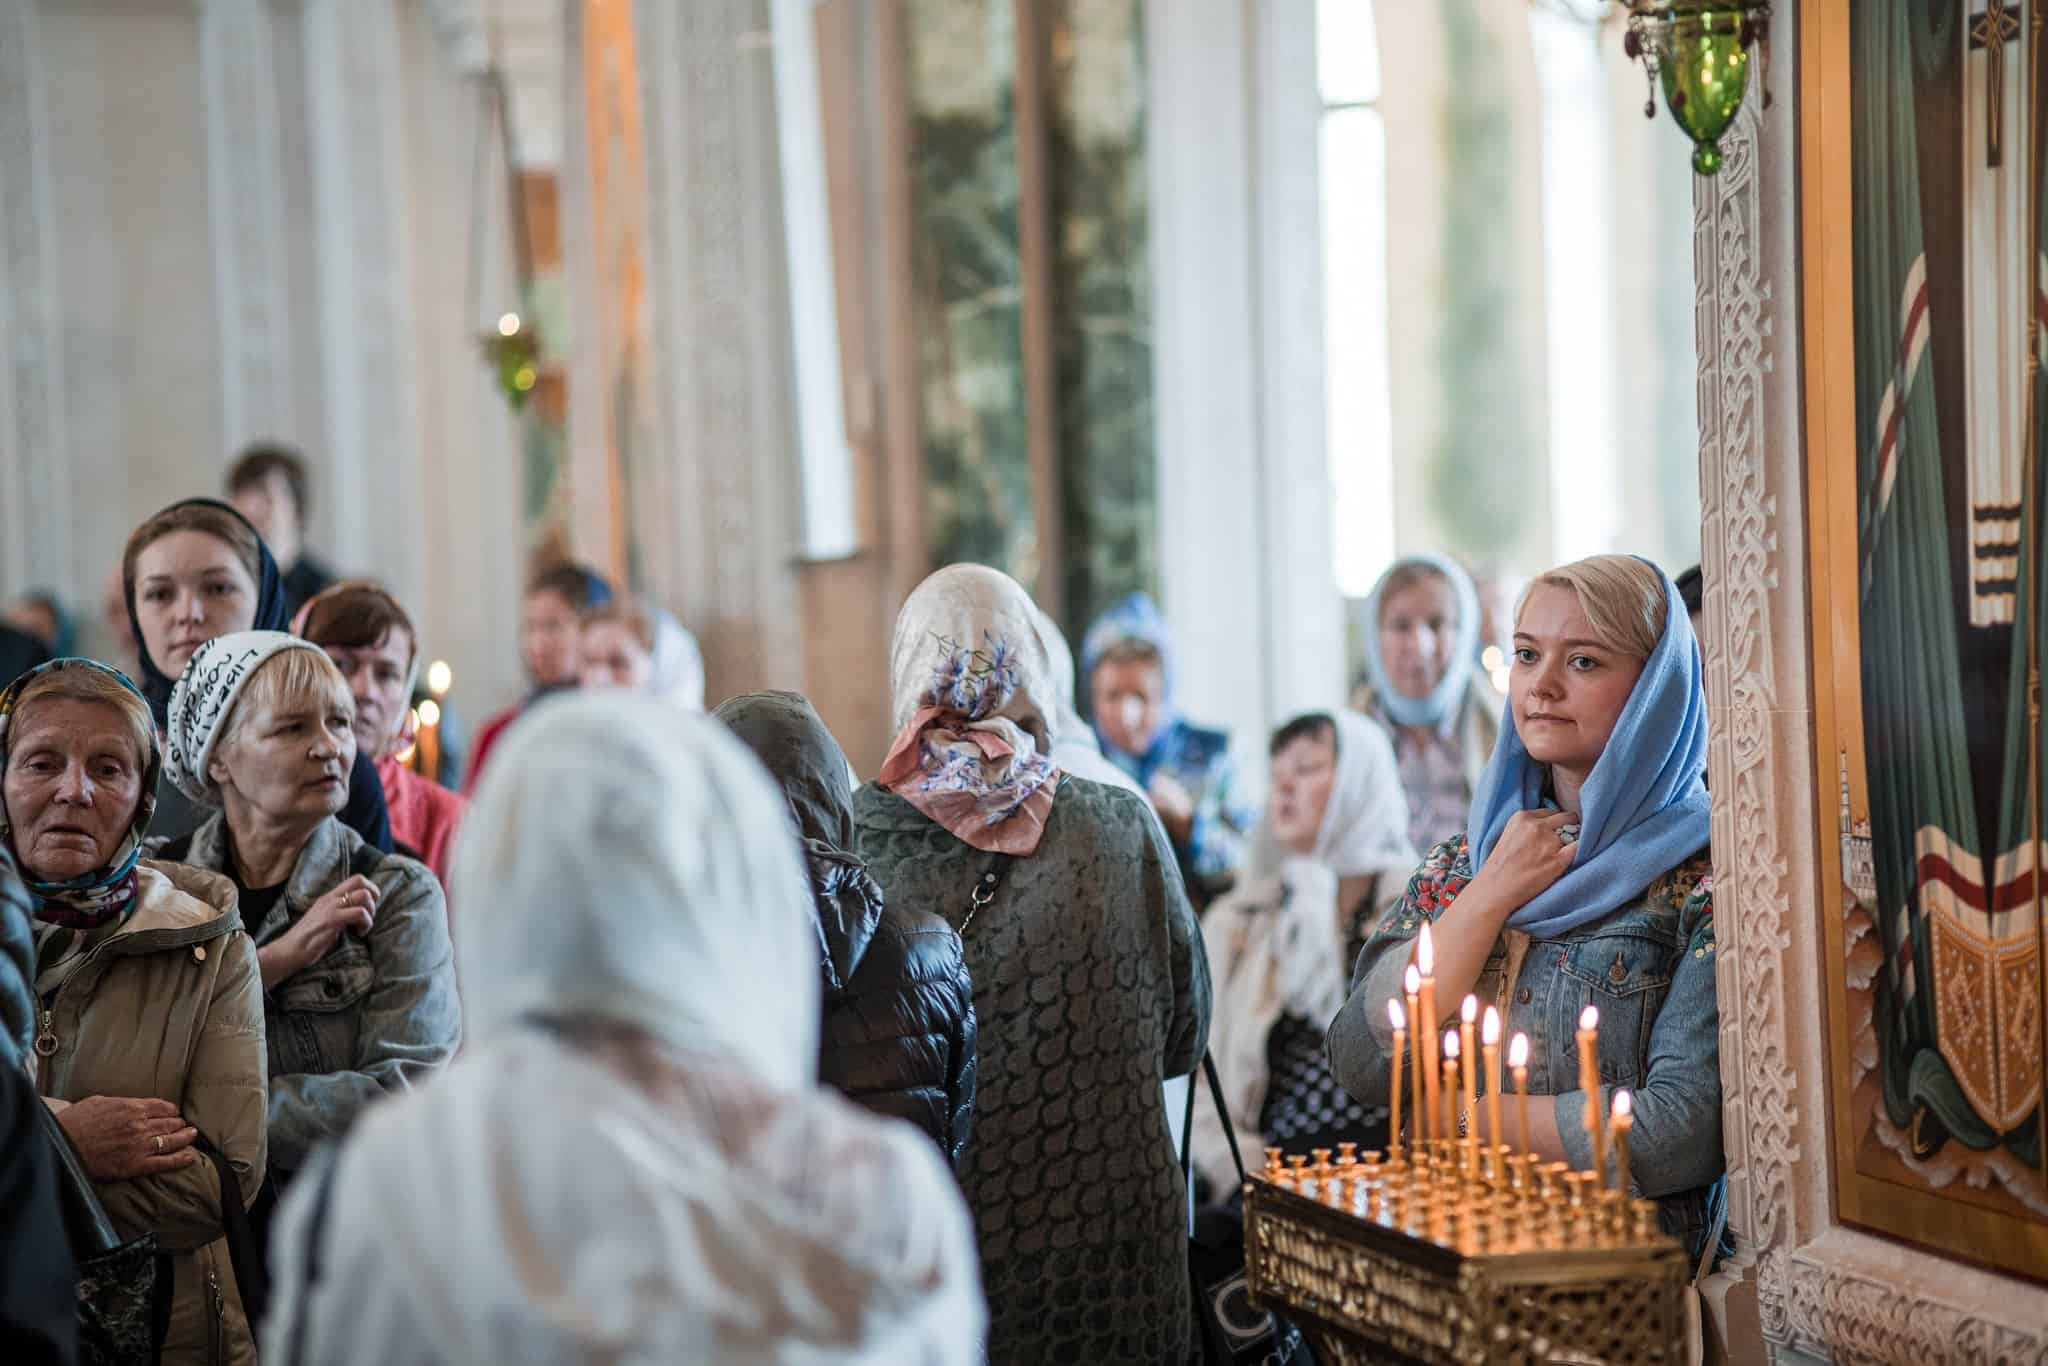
x=1420 y=635
x=1185 y=770
x=192 y=572
x=1582 y=879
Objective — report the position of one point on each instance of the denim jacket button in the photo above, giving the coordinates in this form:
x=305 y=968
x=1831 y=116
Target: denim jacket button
x=1617 y=972
x=1523 y=997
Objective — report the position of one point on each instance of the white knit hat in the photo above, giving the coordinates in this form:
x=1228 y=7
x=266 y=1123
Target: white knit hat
x=204 y=697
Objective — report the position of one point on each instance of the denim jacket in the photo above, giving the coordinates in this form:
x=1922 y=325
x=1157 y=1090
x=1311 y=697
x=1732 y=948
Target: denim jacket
x=1648 y=966
x=378 y=1014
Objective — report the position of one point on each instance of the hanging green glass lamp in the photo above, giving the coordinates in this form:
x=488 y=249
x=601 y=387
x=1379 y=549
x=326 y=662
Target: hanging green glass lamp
x=1699 y=51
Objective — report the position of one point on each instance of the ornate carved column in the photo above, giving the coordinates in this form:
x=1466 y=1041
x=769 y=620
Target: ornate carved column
x=245 y=184
x=34 y=515
x=717 y=501
x=370 y=513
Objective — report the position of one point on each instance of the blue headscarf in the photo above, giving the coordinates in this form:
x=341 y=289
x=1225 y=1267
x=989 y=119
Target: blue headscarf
x=273 y=613
x=1439 y=710
x=1643 y=810
x=1134 y=618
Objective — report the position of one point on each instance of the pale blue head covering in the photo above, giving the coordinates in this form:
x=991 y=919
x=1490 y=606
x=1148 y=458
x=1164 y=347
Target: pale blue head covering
x=1643 y=811
x=1439 y=709
x=1134 y=617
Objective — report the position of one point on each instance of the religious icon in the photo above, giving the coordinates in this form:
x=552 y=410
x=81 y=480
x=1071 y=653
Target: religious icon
x=1938 y=738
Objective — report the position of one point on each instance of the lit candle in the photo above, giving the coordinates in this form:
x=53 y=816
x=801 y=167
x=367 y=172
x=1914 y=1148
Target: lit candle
x=1518 y=1060
x=1450 y=1101
x=1468 y=1018
x=1489 y=1039
x=1411 y=984
x=1589 y=1082
x=1426 y=1023
x=1624 y=1120
x=1400 y=1022
x=430 y=739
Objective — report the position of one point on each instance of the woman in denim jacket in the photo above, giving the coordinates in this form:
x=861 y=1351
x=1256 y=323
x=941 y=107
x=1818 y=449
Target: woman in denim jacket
x=358 y=976
x=1582 y=879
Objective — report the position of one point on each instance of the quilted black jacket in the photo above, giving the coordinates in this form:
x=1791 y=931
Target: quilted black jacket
x=898 y=1029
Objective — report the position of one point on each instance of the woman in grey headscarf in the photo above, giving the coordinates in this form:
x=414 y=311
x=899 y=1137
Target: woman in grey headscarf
x=632 y=1161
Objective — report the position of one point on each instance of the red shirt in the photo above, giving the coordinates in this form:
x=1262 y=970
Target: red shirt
x=424 y=814
x=493 y=731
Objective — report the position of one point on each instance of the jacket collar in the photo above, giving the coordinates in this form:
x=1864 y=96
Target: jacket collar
x=877 y=808
x=322 y=863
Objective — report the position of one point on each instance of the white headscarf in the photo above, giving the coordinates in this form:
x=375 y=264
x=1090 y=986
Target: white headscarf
x=1076 y=751
x=629 y=864
x=1276 y=943
x=678 y=675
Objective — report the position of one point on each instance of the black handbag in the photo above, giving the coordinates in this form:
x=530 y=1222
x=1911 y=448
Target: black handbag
x=1233 y=1331
x=124 y=1289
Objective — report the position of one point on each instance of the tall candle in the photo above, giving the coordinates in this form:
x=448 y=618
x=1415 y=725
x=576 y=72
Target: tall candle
x=1518 y=1059
x=1427 y=1022
x=1468 y=1017
x=1411 y=984
x=1589 y=1082
x=1489 y=1039
x=1400 y=1022
x=1624 y=1120
x=1450 y=1084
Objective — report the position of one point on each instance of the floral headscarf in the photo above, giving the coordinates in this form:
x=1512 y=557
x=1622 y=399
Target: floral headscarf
x=974 y=710
x=92 y=899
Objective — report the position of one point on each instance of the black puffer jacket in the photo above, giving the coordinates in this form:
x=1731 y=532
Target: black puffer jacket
x=898 y=1032
x=898 y=1028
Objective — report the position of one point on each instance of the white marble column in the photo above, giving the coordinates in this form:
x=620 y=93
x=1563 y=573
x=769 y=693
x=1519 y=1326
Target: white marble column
x=245 y=183
x=34 y=520
x=720 y=534
x=370 y=513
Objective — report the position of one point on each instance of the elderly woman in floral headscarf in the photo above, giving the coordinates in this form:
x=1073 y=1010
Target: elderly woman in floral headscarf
x=1090 y=987
x=150 y=1013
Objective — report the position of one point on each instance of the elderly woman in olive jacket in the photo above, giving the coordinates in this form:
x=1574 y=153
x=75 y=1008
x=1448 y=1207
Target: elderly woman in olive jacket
x=898 y=1029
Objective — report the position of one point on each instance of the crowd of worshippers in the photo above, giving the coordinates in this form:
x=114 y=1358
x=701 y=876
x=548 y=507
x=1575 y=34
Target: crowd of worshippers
x=670 y=1040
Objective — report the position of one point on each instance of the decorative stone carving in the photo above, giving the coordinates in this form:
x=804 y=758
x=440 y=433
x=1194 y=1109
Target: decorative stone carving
x=245 y=184
x=33 y=539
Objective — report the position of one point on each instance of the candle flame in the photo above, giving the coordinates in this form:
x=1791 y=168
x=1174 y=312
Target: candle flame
x=1397 y=1015
x=1469 y=1011
x=1589 y=1018
x=1489 y=1028
x=1450 y=1043
x=1622 y=1105
x=1412 y=981
x=1518 y=1051
x=1425 y=953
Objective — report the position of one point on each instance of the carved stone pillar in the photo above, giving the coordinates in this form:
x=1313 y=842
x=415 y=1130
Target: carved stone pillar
x=245 y=183
x=34 y=520
x=716 y=503
x=370 y=511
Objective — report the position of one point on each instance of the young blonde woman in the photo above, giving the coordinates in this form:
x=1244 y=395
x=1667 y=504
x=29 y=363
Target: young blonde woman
x=1582 y=879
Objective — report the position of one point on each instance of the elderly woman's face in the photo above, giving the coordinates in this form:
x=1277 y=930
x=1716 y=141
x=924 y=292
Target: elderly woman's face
x=289 y=761
x=189 y=588
x=1303 y=774
x=73 y=782
x=1418 y=631
x=613 y=657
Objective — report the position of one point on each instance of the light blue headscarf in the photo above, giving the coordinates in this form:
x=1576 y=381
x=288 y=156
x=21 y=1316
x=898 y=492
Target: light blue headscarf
x=1134 y=617
x=1439 y=710
x=1643 y=811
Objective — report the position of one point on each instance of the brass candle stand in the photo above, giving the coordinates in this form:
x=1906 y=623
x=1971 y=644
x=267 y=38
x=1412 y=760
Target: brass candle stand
x=1414 y=1258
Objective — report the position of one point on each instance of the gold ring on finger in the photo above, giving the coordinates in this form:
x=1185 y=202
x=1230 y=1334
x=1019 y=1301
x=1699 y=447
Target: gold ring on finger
x=159 y=1144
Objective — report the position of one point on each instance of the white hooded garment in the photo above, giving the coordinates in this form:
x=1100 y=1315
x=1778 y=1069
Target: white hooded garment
x=561 y=1196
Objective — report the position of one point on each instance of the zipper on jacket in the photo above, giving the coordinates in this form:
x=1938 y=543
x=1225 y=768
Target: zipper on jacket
x=219 y=1304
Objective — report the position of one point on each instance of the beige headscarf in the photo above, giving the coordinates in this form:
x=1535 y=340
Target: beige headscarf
x=974 y=710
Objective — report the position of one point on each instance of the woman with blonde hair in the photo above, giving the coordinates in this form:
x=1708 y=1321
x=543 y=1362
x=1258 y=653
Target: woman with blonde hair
x=1582 y=879
x=149 y=1029
x=358 y=980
